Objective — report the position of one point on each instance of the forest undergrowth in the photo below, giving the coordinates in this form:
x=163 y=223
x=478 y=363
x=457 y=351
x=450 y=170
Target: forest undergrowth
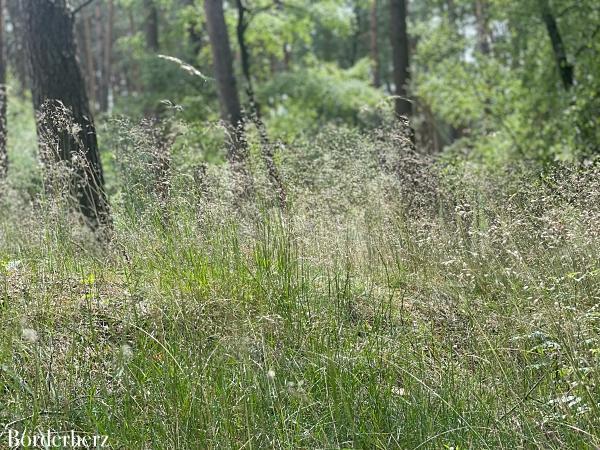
x=397 y=302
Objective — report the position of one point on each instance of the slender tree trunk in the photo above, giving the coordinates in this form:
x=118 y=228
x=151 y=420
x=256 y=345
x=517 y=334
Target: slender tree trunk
x=98 y=55
x=223 y=62
x=399 y=40
x=565 y=69
x=89 y=60
x=266 y=146
x=57 y=82
x=357 y=35
x=107 y=63
x=3 y=98
x=226 y=85
x=483 y=31
x=374 y=37
x=151 y=25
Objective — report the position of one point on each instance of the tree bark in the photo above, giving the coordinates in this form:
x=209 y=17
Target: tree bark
x=57 y=82
x=151 y=25
x=483 y=31
x=89 y=60
x=399 y=41
x=565 y=69
x=227 y=88
x=3 y=98
x=374 y=36
x=223 y=62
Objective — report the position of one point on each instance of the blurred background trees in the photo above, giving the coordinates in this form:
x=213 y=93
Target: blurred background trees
x=488 y=80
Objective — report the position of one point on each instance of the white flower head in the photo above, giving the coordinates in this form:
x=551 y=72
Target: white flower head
x=30 y=335
x=271 y=374
x=13 y=266
x=398 y=390
x=126 y=351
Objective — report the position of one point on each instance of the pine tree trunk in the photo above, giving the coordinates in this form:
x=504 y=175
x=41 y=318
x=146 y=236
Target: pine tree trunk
x=399 y=41
x=57 y=81
x=226 y=85
x=374 y=36
x=483 y=32
x=89 y=61
x=223 y=62
x=565 y=69
x=151 y=25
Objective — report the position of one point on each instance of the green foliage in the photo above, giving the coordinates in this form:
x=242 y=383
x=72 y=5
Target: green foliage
x=512 y=100
x=303 y=100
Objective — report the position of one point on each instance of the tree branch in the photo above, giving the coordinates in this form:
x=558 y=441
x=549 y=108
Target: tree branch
x=80 y=7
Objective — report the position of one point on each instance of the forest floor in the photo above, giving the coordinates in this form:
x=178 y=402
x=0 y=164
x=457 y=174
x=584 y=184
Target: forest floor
x=355 y=325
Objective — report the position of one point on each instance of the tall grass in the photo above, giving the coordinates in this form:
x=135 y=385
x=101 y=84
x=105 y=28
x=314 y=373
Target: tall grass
x=398 y=303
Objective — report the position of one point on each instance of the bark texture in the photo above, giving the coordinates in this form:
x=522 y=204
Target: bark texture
x=565 y=69
x=400 y=56
x=151 y=25
x=223 y=61
x=58 y=86
x=231 y=111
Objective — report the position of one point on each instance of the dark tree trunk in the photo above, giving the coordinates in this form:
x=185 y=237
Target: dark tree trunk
x=266 y=146
x=242 y=25
x=374 y=36
x=483 y=32
x=357 y=35
x=3 y=98
x=223 y=62
x=399 y=40
x=565 y=69
x=89 y=60
x=151 y=25
x=226 y=85
x=57 y=82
